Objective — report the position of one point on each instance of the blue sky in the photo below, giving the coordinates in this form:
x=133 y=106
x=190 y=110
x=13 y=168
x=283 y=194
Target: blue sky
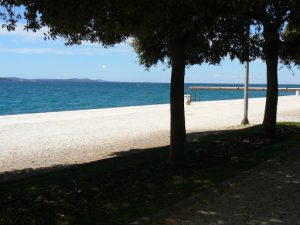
x=27 y=55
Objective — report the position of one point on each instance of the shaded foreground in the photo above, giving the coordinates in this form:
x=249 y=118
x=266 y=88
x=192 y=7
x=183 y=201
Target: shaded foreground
x=266 y=195
x=123 y=189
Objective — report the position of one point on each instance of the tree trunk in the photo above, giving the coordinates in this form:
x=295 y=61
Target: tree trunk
x=178 y=132
x=271 y=51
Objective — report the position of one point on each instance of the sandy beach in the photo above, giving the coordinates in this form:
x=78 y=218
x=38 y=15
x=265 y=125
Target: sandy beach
x=71 y=137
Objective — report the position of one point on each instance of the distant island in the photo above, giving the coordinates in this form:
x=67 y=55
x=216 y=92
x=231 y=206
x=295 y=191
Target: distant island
x=73 y=80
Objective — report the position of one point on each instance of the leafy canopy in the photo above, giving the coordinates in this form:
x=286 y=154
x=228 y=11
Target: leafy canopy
x=269 y=18
x=7 y=17
x=206 y=28
x=291 y=53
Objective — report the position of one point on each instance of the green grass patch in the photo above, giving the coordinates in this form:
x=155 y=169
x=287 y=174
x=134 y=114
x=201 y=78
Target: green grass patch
x=123 y=189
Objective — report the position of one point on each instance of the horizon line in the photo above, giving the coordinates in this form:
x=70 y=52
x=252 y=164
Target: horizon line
x=159 y=82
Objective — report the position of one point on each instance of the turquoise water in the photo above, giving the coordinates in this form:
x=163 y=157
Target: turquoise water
x=34 y=97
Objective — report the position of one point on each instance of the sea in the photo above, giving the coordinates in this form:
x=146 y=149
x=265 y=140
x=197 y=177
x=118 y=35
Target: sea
x=51 y=96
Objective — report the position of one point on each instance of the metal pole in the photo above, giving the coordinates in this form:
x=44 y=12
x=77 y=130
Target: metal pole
x=245 y=120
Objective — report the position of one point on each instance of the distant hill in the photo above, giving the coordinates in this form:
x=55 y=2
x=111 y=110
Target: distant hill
x=73 y=80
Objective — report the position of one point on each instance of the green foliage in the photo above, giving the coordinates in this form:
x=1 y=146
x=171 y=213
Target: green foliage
x=269 y=18
x=77 y=21
x=291 y=53
x=207 y=27
x=211 y=29
x=7 y=17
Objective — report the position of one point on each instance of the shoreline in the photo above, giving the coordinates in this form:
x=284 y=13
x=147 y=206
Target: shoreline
x=120 y=107
x=116 y=108
x=66 y=138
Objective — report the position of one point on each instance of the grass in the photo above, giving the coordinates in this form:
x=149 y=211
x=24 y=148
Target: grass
x=123 y=189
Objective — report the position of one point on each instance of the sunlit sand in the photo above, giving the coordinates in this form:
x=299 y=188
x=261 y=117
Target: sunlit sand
x=63 y=138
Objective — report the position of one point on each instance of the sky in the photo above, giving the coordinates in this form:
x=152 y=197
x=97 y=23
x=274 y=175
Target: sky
x=27 y=55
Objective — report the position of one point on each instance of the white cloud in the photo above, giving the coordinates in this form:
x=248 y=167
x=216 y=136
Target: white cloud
x=104 y=66
x=23 y=34
x=35 y=51
x=53 y=47
x=63 y=51
x=217 y=75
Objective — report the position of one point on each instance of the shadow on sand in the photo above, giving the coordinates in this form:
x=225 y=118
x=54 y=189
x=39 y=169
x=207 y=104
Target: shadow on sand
x=29 y=172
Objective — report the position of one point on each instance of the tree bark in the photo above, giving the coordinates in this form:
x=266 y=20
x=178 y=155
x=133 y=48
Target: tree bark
x=178 y=132
x=271 y=50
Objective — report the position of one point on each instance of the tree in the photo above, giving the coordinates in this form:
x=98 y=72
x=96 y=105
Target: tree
x=270 y=17
x=197 y=33
x=176 y=32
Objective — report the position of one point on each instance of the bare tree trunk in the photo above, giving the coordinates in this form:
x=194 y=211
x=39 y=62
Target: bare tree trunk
x=178 y=132
x=271 y=50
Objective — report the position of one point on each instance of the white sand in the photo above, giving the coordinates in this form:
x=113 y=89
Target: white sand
x=62 y=138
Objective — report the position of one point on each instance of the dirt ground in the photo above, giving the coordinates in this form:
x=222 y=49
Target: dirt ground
x=267 y=195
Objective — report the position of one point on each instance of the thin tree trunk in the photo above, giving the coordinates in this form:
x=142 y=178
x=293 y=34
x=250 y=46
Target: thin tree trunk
x=271 y=50
x=178 y=132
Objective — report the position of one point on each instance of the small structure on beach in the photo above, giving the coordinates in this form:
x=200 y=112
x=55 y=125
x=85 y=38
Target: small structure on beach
x=245 y=121
x=194 y=88
x=237 y=88
x=234 y=88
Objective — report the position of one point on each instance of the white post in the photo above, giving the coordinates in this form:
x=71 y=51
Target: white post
x=187 y=99
x=297 y=92
x=245 y=120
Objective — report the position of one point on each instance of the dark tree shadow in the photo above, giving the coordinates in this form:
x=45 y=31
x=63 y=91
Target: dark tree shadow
x=28 y=172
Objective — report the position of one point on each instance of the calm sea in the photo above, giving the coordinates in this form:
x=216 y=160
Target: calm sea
x=34 y=97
